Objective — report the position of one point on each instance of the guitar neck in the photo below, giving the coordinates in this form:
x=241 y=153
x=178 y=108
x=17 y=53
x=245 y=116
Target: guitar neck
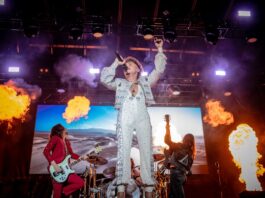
x=75 y=162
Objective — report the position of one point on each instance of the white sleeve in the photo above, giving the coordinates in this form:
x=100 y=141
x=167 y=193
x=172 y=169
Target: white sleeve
x=160 y=66
x=107 y=76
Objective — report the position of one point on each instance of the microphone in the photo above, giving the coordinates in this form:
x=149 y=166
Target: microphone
x=121 y=59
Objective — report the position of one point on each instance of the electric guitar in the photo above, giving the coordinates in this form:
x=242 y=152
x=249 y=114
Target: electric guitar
x=65 y=167
x=168 y=153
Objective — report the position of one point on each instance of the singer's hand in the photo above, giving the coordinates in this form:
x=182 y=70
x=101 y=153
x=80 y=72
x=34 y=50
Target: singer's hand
x=121 y=62
x=158 y=42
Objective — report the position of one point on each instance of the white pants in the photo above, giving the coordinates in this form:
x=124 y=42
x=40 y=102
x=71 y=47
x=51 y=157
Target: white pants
x=134 y=117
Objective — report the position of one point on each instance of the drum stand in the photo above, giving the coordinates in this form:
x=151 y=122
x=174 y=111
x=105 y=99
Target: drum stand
x=94 y=191
x=84 y=193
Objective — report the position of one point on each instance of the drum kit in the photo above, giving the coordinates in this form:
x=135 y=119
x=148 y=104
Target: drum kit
x=106 y=187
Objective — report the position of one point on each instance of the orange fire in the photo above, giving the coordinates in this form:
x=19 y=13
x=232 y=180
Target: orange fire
x=14 y=104
x=243 y=147
x=76 y=108
x=159 y=134
x=216 y=115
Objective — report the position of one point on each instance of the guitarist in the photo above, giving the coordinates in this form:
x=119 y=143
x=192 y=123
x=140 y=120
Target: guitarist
x=55 y=151
x=179 y=158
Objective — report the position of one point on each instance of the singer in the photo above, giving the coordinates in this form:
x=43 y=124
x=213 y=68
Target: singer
x=133 y=94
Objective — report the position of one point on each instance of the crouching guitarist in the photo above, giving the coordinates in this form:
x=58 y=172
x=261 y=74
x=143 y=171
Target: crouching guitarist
x=55 y=152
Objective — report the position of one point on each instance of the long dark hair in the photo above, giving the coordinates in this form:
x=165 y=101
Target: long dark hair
x=189 y=143
x=57 y=130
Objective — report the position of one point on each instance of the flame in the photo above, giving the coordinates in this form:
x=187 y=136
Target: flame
x=243 y=147
x=216 y=115
x=14 y=104
x=159 y=134
x=76 y=108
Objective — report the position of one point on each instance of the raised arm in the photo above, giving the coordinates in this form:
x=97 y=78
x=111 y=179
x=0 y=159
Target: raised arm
x=167 y=138
x=168 y=141
x=107 y=76
x=160 y=63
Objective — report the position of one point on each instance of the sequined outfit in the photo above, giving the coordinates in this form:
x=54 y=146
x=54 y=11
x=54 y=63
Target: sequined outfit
x=133 y=116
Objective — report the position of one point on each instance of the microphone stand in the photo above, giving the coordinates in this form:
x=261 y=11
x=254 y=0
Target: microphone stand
x=217 y=165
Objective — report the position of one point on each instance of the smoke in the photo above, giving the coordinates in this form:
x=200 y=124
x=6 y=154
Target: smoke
x=73 y=66
x=34 y=91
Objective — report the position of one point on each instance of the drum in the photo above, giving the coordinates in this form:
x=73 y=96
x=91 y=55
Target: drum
x=132 y=190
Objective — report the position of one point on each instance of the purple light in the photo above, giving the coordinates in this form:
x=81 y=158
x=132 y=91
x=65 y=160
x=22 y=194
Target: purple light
x=244 y=13
x=94 y=71
x=13 y=69
x=144 y=73
x=220 y=73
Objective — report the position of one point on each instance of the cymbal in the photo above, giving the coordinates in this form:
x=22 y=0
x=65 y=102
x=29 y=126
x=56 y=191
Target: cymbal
x=97 y=160
x=158 y=157
x=109 y=172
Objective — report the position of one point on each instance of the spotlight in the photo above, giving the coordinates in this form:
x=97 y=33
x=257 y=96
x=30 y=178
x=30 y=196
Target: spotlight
x=44 y=70
x=227 y=93
x=60 y=90
x=244 y=13
x=144 y=73
x=98 y=31
x=251 y=37
x=13 y=69
x=220 y=73
x=148 y=32
x=76 y=32
x=170 y=34
x=31 y=29
x=173 y=90
x=94 y=71
x=211 y=34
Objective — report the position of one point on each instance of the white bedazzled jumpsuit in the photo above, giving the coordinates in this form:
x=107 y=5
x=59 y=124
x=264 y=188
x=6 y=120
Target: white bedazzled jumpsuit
x=133 y=116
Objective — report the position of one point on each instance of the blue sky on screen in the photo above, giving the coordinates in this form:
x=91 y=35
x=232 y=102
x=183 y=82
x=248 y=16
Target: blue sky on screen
x=183 y=119
x=103 y=117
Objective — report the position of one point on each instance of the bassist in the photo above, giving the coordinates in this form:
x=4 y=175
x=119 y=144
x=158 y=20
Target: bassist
x=55 y=151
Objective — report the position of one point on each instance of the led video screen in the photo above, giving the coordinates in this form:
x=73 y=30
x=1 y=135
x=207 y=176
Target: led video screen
x=98 y=128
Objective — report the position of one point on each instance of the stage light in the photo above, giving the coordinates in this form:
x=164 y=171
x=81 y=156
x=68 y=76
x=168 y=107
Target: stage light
x=60 y=90
x=2 y=2
x=173 y=90
x=244 y=13
x=31 y=29
x=98 y=31
x=220 y=73
x=211 y=34
x=144 y=73
x=251 y=37
x=94 y=71
x=76 y=32
x=227 y=93
x=170 y=35
x=44 y=70
x=176 y=93
x=148 y=32
x=13 y=69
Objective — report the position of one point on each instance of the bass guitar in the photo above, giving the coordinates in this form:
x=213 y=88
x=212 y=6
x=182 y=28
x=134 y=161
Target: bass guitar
x=65 y=167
